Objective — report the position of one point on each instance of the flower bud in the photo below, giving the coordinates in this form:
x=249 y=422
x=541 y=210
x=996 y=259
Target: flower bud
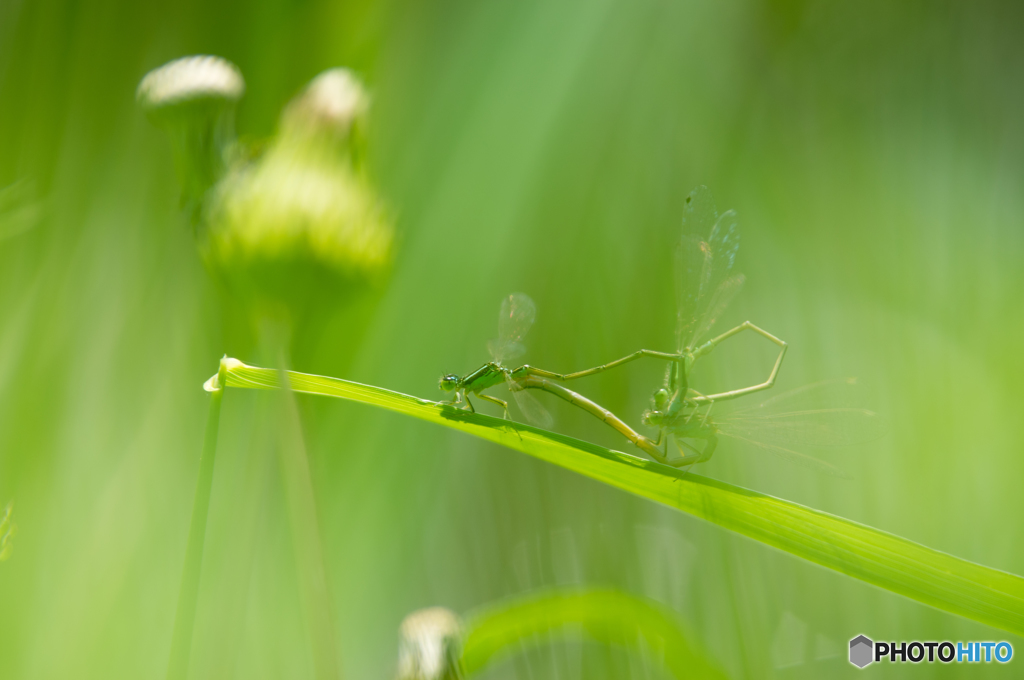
x=193 y=99
x=304 y=217
x=330 y=105
x=430 y=645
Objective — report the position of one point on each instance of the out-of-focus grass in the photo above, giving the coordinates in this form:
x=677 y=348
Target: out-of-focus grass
x=8 y=530
x=872 y=151
x=608 y=617
x=192 y=571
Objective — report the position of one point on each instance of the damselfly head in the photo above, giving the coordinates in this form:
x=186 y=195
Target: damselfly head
x=653 y=417
x=448 y=382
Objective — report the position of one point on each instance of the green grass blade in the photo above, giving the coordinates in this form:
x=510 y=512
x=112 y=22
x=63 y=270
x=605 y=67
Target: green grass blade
x=931 y=577
x=607 y=616
x=188 y=594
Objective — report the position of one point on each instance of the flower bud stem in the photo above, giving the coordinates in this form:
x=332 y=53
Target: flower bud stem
x=302 y=515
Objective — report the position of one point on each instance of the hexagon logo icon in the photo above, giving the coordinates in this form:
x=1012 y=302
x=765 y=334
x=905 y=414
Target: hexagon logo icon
x=861 y=651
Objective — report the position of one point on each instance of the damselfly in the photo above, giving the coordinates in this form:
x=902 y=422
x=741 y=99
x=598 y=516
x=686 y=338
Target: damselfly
x=514 y=321
x=705 y=285
x=516 y=317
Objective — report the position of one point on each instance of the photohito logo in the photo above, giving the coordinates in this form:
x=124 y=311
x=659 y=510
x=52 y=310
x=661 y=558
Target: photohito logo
x=863 y=651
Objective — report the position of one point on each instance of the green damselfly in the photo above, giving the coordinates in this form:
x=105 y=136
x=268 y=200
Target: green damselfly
x=517 y=315
x=705 y=285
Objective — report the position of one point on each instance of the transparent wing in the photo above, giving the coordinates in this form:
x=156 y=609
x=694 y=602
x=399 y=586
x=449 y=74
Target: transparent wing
x=718 y=303
x=533 y=410
x=724 y=243
x=505 y=352
x=795 y=457
x=823 y=414
x=517 y=316
x=699 y=212
x=817 y=428
x=514 y=321
x=692 y=267
x=704 y=284
x=841 y=392
x=686 y=448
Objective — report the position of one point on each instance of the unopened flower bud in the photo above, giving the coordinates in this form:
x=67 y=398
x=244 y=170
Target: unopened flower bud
x=304 y=217
x=331 y=103
x=190 y=80
x=194 y=100
x=430 y=645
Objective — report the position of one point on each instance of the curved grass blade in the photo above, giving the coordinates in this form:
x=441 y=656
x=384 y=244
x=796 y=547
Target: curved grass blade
x=188 y=592
x=882 y=559
x=607 y=616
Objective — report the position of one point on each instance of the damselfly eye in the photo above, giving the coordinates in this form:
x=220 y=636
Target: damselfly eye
x=652 y=417
x=660 y=399
x=448 y=382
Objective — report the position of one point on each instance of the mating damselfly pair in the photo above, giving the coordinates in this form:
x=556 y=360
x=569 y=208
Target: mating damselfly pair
x=705 y=285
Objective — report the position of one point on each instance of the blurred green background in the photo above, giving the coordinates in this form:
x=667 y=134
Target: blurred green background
x=874 y=152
